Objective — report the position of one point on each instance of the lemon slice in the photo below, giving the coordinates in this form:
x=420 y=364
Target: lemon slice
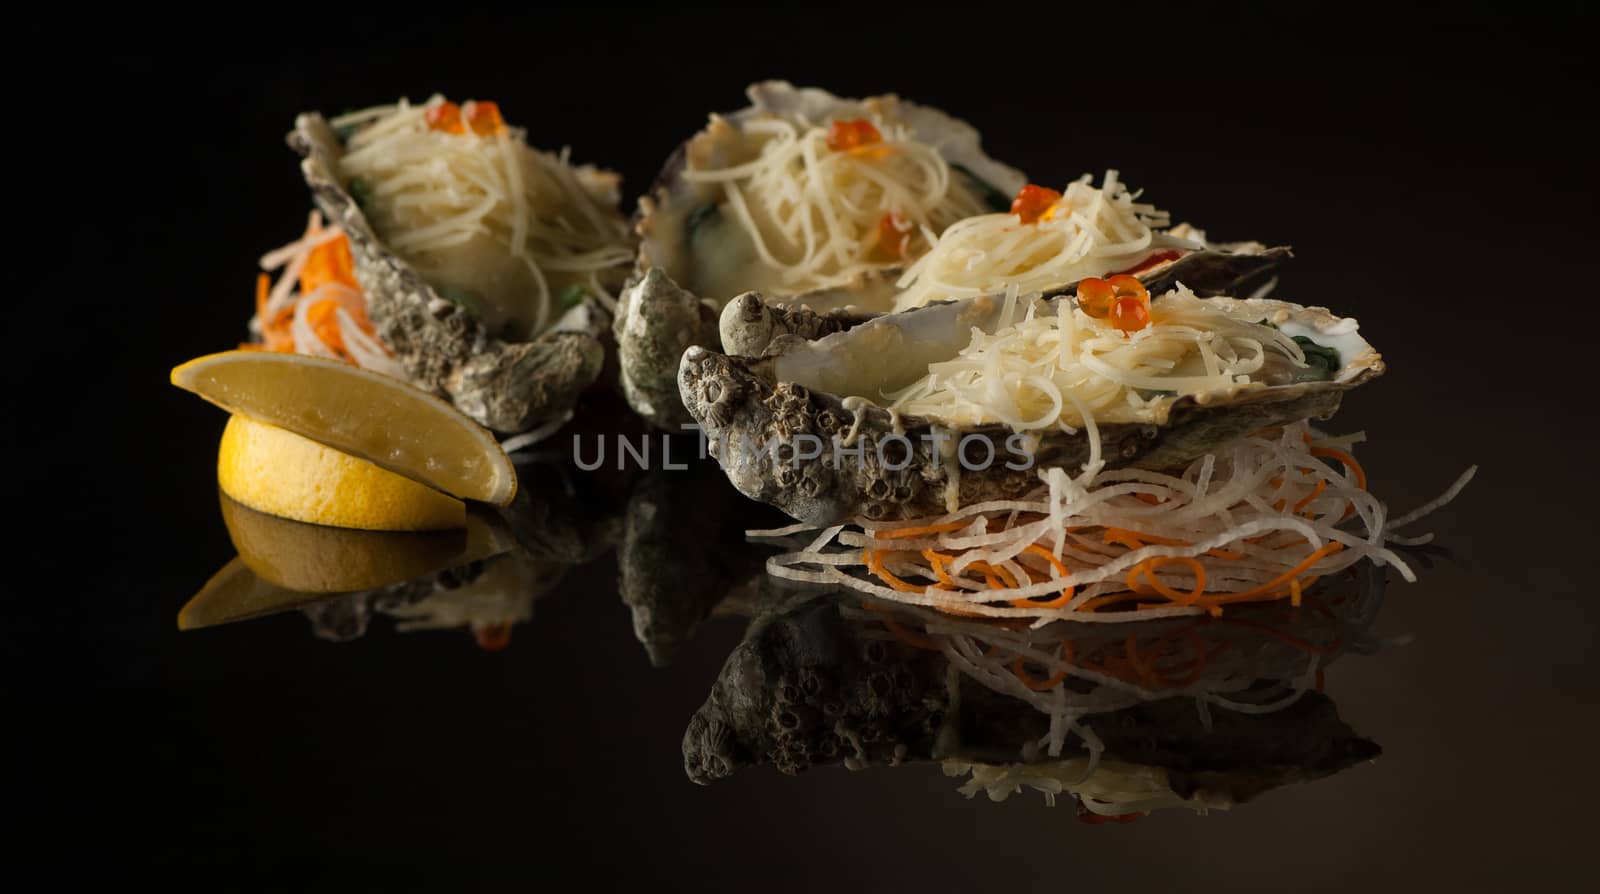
x=279 y=472
x=372 y=416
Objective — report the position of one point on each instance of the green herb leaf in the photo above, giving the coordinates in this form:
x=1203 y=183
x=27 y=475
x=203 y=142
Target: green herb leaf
x=570 y=297
x=471 y=302
x=361 y=191
x=1319 y=356
x=699 y=217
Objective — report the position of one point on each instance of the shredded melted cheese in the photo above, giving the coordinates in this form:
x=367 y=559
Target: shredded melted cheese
x=814 y=214
x=486 y=215
x=1091 y=231
x=1065 y=369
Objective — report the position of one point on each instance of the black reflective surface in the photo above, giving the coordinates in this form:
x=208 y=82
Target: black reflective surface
x=1425 y=190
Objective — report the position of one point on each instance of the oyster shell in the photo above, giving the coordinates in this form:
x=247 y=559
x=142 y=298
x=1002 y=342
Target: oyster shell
x=704 y=260
x=751 y=322
x=765 y=416
x=508 y=386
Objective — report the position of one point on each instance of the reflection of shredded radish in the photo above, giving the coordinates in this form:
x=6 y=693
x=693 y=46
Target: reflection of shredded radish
x=1259 y=520
x=529 y=438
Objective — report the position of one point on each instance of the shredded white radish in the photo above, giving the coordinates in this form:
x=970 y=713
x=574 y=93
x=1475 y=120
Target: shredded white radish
x=1260 y=520
x=530 y=438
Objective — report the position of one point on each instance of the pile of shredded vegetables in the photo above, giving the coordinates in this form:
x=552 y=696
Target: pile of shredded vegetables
x=438 y=178
x=316 y=306
x=1260 y=519
x=1085 y=231
x=826 y=203
x=1056 y=368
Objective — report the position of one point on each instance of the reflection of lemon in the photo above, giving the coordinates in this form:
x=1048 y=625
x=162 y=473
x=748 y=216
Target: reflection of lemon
x=372 y=416
x=279 y=472
x=237 y=594
x=317 y=559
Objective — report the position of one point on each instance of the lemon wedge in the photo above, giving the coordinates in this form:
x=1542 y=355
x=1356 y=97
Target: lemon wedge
x=368 y=415
x=279 y=472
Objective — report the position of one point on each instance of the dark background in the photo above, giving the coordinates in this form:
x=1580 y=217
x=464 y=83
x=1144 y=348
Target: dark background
x=1433 y=173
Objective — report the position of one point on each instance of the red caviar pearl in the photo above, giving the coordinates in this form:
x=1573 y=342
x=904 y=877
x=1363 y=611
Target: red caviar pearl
x=1095 y=296
x=445 y=116
x=1130 y=313
x=852 y=134
x=484 y=118
x=891 y=243
x=1033 y=201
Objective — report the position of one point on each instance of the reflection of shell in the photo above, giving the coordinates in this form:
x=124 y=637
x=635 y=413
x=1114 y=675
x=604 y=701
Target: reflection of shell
x=815 y=683
x=652 y=340
x=750 y=323
x=506 y=386
x=682 y=549
x=755 y=411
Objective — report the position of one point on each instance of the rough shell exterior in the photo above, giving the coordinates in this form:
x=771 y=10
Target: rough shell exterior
x=656 y=322
x=506 y=386
x=751 y=322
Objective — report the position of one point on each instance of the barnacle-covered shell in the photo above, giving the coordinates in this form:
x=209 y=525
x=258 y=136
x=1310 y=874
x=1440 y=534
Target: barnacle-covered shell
x=751 y=322
x=506 y=386
x=715 y=266
x=788 y=431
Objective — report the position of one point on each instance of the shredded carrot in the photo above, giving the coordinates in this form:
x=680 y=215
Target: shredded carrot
x=899 y=533
x=1316 y=492
x=874 y=563
x=1280 y=580
x=330 y=262
x=1148 y=566
x=1136 y=539
x=1347 y=459
x=1066 y=594
x=936 y=560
